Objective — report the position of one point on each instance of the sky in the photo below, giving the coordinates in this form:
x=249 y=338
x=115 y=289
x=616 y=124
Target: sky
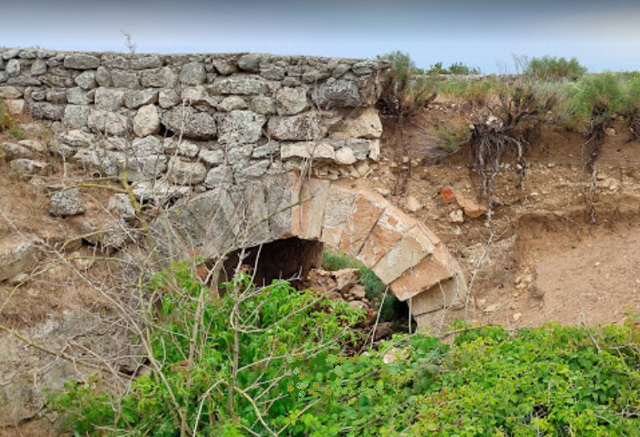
x=603 y=35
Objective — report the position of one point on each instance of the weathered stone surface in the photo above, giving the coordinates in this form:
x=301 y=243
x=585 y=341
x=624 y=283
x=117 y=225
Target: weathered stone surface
x=16 y=150
x=77 y=96
x=307 y=126
x=422 y=277
x=224 y=67
x=146 y=121
x=120 y=204
x=125 y=79
x=103 y=77
x=291 y=101
x=10 y=92
x=190 y=122
x=410 y=251
x=86 y=80
x=141 y=147
x=66 y=203
x=263 y=105
x=81 y=61
x=197 y=95
x=241 y=127
x=345 y=156
x=212 y=157
x=136 y=99
x=367 y=209
x=109 y=98
x=27 y=166
x=243 y=85
x=186 y=173
x=450 y=294
x=39 y=66
x=145 y=167
x=251 y=62
x=192 y=73
x=168 y=98
x=13 y=68
x=47 y=110
x=159 y=191
x=77 y=138
x=158 y=78
x=56 y=97
x=181 y=147
x=339 y=207
x=232 y=103
x=389 y=229
x=252 y=170
x=218 y=176
x=34 y=145
x=108 y=122
x=18 y=254
x=266 y=150
x=76 y=116
x=317 y=150
x=366 y=124
x=146 y=62
x=339 y=94
x=15 y=107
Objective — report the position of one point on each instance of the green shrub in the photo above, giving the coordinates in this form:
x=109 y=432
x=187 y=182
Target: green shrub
x=554 y=68
x=392 y=309
x=453 y=134
x=471 y=92
x=405 y=91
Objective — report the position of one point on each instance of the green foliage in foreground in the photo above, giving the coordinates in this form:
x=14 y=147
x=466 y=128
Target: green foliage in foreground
x=549 y=381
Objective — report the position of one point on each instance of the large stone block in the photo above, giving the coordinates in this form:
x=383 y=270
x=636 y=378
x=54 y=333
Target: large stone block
x=109 y=98
x=190 y=123
x=240 y=127
x=291 y=101
x=339 y=207
x=340 y=94
x=420 y=278
x=302 y=127
x=81 y=61
x=366 y=211
x=389 y=229
x=18 y=254
x=242 y=85
x=146 y=121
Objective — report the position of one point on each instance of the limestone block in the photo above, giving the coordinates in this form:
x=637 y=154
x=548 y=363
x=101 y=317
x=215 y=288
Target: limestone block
x=389 y=229
x=76 y=116
x=138 y=98
x=190 y=123
x=66 y=203
x=12 y=68
x=339 y=94
x=232 y=103
x=192 y=73
x=317 y=150
x=407 y=253
x=86 y=80
x=186 y=173
x=149 y=145
x=447 y=294
x=81 y=61
x=307 y=126
x=291 y=101
x=146 y=121
x=219 y=176
x=240 y=127
x=212 y=157
x=18 y=254
x=339 y=208
x=366 y=211
x=366 y=124
x=163 y=77
x=242 y=85
x=108 y=122
x=109 y=98
x=10 y=92
x=39 y=66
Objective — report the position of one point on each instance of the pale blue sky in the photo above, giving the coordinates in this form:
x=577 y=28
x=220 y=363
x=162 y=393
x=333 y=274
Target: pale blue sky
x=603 y=35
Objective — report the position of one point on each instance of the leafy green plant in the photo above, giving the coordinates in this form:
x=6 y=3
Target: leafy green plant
x=474 y=93
x=224 y=363
x=453 y=134
x=405 y=91
x=458 y=68
x=551 y=68
x=391 y=307
x=631 y=105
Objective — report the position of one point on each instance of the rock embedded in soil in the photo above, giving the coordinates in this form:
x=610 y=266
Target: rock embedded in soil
x=18 y=255
x=66 y=203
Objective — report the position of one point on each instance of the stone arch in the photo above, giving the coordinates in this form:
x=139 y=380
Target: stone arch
x=402 y=251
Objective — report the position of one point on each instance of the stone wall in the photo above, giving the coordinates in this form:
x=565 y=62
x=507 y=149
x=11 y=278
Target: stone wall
x=197 y=121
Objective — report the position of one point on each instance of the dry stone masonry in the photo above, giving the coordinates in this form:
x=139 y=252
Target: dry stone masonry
x=197 y=121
